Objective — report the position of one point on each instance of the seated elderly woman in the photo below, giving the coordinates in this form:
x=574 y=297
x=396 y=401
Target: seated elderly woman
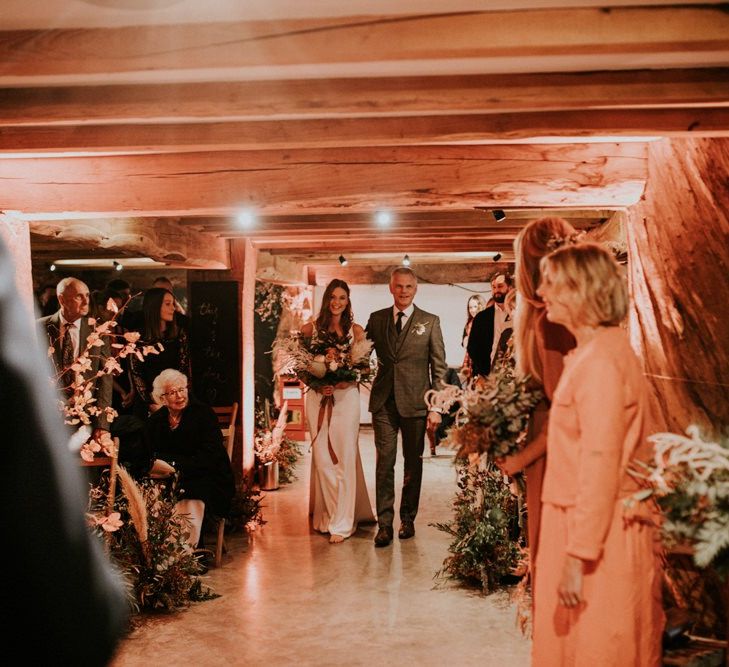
x=185 y=434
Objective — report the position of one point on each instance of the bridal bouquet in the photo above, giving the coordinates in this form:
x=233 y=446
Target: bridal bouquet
x=493 y=414
x=324 y=360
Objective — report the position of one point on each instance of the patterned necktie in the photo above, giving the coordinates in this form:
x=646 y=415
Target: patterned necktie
x=398 y=324
x=67 y=359
x=67 y=355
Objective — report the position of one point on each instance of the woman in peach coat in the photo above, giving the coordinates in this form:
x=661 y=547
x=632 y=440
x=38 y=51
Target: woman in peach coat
x=539 y=347
x=597 y=596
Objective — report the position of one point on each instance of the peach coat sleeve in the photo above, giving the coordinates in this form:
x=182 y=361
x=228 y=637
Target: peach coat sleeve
x=599 y=400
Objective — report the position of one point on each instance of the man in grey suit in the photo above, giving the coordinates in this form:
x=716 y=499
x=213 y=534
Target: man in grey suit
x=411 y=360
x=67 y=331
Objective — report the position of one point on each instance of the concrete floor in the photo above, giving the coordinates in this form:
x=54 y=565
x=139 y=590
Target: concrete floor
x=291 y=598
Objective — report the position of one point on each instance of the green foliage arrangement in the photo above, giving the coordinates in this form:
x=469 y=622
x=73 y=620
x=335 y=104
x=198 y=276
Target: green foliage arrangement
x=148 y=543
x=288 y=456
x=245 y=510
x=483 y=551
x=269 y=303
x=689 y=478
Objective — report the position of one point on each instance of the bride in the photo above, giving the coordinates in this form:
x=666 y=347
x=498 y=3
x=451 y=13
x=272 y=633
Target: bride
x=338 y=494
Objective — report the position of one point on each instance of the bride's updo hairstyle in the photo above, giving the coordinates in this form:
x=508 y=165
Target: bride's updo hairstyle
x=325 y=316
x=587 y=276
x=536 y=240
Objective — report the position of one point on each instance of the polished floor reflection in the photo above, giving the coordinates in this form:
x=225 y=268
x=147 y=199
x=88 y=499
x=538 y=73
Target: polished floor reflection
x=291 y=598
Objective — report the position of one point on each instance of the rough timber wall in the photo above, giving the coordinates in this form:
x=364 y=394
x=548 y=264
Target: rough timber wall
x=678 y=238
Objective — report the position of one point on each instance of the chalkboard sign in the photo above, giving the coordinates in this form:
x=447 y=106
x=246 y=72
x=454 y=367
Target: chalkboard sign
x=214 y=341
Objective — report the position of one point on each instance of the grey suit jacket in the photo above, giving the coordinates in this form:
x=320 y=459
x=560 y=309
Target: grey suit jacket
x=408 y=365
x=102 y=386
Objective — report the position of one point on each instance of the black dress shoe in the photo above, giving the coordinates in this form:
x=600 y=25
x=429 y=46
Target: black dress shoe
x=407 y=530
x=384 y=536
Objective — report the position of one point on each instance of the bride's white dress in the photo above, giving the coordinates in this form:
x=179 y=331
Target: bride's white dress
x=338 y=493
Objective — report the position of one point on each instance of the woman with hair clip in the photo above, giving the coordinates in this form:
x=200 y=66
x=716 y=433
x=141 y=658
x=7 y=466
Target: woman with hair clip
x=159 y=327
x=338 y=492
x=597 y=597
x=539 y=347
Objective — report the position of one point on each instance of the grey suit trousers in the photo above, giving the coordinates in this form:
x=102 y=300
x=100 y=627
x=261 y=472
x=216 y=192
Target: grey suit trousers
x=387 y=422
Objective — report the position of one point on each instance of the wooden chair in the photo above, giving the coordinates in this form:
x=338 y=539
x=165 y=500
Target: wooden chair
x=226 y=418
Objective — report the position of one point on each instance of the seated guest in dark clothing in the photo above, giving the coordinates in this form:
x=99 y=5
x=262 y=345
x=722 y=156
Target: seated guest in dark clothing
x=185 y=436
x=160 y=327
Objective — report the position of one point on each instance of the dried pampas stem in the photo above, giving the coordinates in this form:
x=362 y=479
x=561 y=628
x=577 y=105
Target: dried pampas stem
x=137 y=506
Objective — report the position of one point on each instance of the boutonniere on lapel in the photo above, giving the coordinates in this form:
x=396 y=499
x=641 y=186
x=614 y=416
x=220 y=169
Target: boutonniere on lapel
x=419 y=328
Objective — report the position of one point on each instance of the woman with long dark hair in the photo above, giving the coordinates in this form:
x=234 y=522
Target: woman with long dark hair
x=539 y=348
x=474 y=305
x=160 y=330
x=338 y=493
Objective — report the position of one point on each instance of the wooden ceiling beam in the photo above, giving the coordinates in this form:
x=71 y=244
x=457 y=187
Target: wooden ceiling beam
x=361 y=46
x=326 y=181
x=391 y=96
x=388 y=245
x=161 y=241
x=476 y=216
x=362 y=132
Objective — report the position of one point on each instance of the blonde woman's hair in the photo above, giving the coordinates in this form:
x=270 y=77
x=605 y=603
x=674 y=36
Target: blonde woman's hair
x=166 y=377
x=590 y=278
x=535 y=241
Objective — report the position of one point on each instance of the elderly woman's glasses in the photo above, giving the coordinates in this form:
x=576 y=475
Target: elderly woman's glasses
x=179 y=391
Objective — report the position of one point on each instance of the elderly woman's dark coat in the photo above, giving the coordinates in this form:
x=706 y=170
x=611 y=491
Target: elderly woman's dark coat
x=195 y=449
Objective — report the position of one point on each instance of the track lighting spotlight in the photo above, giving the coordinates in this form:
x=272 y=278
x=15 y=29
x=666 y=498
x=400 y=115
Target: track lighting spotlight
x=343 y=260
x=118 y=266
x=246 y=218
x=499 y=215
x=497 y=257
x=406 y=260
x=52 y=267
x=383 y=218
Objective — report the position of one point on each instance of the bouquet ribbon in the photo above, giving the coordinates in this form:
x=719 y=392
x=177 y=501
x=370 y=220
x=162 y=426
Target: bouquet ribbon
x=325 y=412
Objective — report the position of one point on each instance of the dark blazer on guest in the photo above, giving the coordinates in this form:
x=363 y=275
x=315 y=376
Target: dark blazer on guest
x=481 y=341
x=101 y=386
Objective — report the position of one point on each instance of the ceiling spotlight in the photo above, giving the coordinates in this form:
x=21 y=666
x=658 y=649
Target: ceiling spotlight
x=406 y=260
x=499 y=215
x=383 y=218
x=497 y=257
x=343 y=260
x=246 y=218
x=52 y=267
x=118 y=266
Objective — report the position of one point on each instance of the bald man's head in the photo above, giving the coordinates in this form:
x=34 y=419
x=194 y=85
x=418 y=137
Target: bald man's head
x=73 y=295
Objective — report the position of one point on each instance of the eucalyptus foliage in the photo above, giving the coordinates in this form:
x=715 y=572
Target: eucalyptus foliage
x=483 y=550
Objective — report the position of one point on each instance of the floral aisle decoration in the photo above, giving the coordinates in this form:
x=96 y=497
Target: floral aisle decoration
x=493 y=413
x=272 y=445
x=269 y=302
x=484 y=550
x=79 y=407
x=246 y=508
x=689 y=479
x=147 y=540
